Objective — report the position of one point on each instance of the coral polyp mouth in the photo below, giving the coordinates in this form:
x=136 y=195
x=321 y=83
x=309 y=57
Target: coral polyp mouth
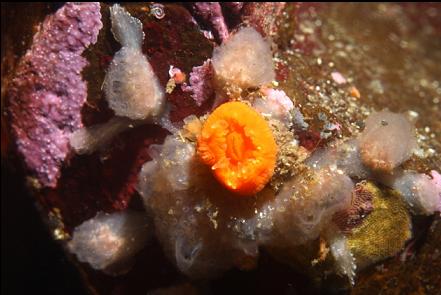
x=237 y=143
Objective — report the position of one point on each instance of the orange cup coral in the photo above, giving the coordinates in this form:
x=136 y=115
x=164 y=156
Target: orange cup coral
x=238 y=144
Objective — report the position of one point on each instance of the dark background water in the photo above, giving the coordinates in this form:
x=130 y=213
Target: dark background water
x=32 y=263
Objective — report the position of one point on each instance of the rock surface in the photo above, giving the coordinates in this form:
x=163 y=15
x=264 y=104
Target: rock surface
x=313 y=41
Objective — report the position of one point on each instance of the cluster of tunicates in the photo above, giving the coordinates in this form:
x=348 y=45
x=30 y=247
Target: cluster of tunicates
x=192 y=219
x=176 y=188
x=387 y=141
x=131 y=88
x=204 y=227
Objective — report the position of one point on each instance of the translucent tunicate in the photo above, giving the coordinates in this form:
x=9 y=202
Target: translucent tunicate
x=421 y=193
x=171 y=167
x=109 y=241
x=345 y=261
x=306 y=204
x=341 y=155
x=387 y=141
x=131 y=87
x=88 y=139
x=245 y=60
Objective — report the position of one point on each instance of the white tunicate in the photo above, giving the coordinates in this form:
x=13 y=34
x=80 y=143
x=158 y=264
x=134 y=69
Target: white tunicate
x=109 y=241
x=245 y=60
x=387 y=141
x=276 y=104
x=306 y=204
x=126 y=29
x=421 y=193
x=131 y=87
x=341 y=155
x=186 y=252
x=88 y=139
x=146 y=179
x=349 y=160
x=164 y=183
x=345 y=260
x=177 y=151
x=170 y=169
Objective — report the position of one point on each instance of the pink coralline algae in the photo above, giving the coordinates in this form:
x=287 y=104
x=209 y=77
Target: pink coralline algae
x=201 y=85
x=220 y=18
x=338 y=78
x=210 y=13
x=48 y=92
x=263 y=16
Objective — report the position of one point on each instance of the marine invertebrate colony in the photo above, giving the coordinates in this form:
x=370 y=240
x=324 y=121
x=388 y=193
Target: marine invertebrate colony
x=222 y=185
x=209 y=186
x=131 y=87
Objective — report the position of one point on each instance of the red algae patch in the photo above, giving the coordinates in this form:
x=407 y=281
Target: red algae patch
x=237 y=143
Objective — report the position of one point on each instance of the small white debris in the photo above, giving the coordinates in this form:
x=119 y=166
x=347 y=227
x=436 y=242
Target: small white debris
x=338 y=78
